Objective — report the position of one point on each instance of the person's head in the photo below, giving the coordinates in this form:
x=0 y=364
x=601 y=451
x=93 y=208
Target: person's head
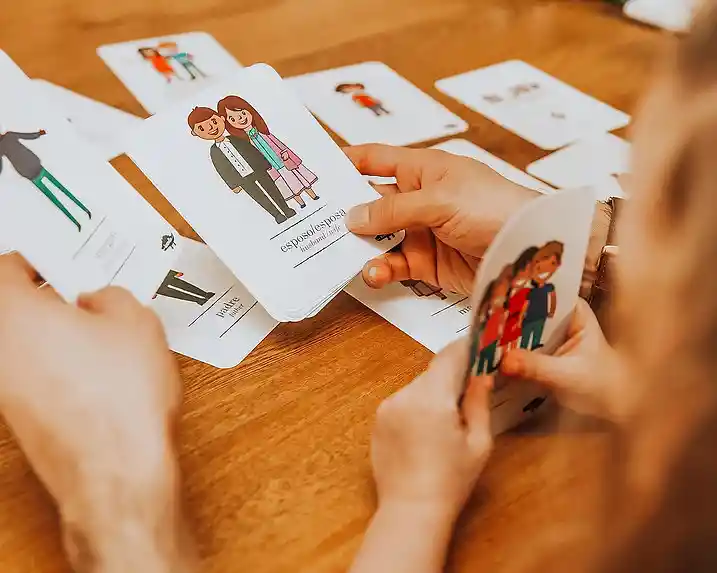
x=501 y=285
x=522 y=268
x=546 y=260
x=350 y=88
x=148 y=53
x=206 y=123
x=486 y=302
x=168 y=48
x=241 y=116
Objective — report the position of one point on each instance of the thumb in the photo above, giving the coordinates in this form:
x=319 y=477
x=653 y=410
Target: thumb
x=396 y=212
x=551 y=371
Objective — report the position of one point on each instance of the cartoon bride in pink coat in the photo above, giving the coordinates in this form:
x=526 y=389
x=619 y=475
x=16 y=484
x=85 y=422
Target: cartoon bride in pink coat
x=288 y=171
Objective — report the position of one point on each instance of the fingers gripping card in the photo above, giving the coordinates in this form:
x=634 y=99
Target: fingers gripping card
x=267 y=189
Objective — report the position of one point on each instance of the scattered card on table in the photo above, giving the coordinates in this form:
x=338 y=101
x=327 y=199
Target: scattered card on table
x=371 y=103
x=97 y=122
x=207 y=314
x=254 y=173
x=416 y=308
x=69 y=213
x=528 y=284
x=161 y=71
x=534 y=105
x=595 y=162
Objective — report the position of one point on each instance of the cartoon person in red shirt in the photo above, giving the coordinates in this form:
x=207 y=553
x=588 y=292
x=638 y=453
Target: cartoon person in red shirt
x=161 y=64
x=492 y=315
x=362 y=98
x=517 y=303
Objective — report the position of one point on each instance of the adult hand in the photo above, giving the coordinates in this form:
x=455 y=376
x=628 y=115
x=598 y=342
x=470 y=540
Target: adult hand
x=91 y=394
x=585 y=373
x=425 y=450
x=450 y=206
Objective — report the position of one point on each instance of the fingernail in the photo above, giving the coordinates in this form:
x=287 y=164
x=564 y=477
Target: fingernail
x=357 y=217
x=372 y=272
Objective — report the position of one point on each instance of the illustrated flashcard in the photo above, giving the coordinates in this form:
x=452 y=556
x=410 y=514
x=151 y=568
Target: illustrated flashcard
x=252 y=171
x=534 y=105
x=72 y=216
x=416 y=308
x=528 y=282
x=99 y=124
x=207 y=314
x=161 y=71
x=371 y=103
x=595 y=162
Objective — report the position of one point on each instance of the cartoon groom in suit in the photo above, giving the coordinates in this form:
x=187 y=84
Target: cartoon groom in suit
x=239 y=163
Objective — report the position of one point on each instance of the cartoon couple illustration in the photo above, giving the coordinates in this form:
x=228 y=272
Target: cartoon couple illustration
x=249 y=158
x=516 y=306
x=29 y=166
x=362 y=98
x=164 y=54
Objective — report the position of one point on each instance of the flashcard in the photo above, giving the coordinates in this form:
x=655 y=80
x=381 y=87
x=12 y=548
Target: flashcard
x=99 y=123
x=371 y=103
x=534 y=105
x=416 y=308
x=595 y=162
x=71 y=215
x=207 y=314
x=161 y=71
x=528 y=283
x=252 y=171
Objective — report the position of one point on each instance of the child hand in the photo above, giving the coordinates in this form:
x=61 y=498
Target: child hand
x=427 y=453
x=584 y=372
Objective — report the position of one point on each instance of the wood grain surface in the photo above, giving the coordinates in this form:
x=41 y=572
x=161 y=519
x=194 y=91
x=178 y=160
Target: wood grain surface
x=275 y=451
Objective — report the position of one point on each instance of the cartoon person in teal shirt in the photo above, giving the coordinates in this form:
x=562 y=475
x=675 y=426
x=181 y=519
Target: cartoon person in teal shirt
x=29 y=166
x=184 y=59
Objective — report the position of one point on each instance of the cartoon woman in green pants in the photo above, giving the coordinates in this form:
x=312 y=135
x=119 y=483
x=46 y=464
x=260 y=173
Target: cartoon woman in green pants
x=29 y=166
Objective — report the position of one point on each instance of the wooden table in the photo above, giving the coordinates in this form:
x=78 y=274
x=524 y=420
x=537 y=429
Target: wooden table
x=275 y=452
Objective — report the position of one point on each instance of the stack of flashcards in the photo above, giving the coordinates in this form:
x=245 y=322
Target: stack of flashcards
x=252 y=171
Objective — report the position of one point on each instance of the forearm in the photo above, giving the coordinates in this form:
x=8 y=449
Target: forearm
x=113 y=526
x=405 y=538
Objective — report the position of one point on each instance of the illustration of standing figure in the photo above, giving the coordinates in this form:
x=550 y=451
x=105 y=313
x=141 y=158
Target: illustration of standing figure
x=29 y=166
x=239 y=163
x=174 y=287
x=542 y=300
x=517 y=303
x=292 y=177
x=491 y=314
x=362 y=98
x=170 y=50
x=159 y=63
x=421 y=289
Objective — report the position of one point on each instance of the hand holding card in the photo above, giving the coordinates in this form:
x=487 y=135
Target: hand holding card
x=253 y=172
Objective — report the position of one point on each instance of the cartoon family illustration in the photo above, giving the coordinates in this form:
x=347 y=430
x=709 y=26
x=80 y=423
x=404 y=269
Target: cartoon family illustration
x=249 y=158
x=514 y=92
x=174 y=287
x=29 y=166
x=164 y=54
x=516 y=306
x=362 y=98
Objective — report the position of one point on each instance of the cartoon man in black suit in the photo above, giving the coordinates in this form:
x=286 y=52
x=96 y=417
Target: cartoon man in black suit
x=174 y=287
x=239 y=163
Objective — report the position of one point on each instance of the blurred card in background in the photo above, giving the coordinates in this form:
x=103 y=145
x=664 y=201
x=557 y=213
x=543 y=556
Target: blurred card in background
x=532 y=104
x=371 y=103
x=160 y=71
x=100 y=124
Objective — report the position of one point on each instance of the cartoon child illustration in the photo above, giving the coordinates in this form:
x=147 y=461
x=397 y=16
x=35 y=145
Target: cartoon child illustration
x=492 y=316
x=239 y=163
x=362 y=98
x=421 y=289
x=517 y=303
x=170 y=50
x=29 y=166
x=174 y=287
x=542 y=300
x=159 y=63
x=292 y=177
